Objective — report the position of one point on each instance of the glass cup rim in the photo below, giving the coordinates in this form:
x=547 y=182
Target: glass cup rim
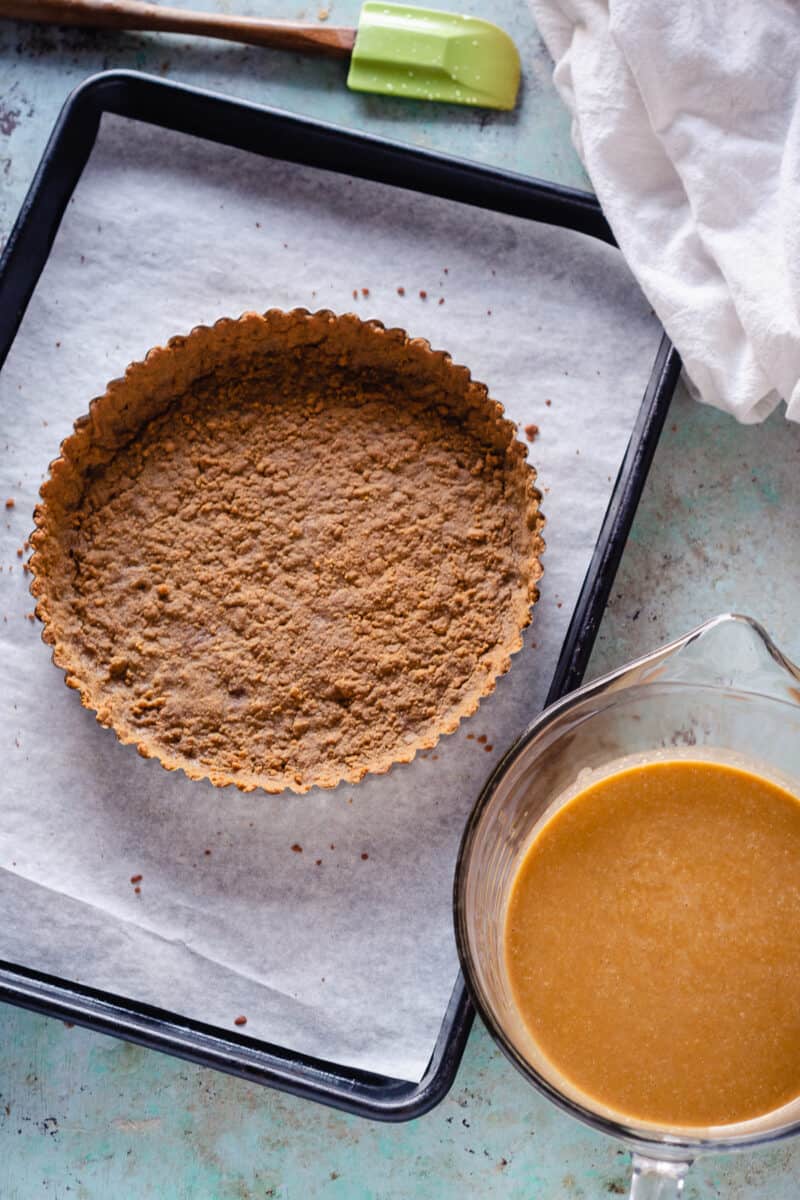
x=641 y=1138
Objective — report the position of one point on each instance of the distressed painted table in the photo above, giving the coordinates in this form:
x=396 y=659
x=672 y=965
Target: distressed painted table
x=83 y=1117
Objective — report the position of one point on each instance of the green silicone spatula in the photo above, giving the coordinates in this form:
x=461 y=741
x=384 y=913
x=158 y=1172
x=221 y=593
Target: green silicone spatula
x=397 y=50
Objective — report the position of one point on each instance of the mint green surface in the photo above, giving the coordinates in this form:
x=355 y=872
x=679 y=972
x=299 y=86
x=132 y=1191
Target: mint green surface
x=83 y=1117
x=433 y=55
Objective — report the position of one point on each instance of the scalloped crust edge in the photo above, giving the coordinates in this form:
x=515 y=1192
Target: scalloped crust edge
x=500 y=659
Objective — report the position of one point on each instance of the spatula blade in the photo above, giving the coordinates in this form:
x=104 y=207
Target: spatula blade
x=423 y=54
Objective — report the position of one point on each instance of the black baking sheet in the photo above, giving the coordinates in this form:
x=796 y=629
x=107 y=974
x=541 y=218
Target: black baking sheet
x=292 y=139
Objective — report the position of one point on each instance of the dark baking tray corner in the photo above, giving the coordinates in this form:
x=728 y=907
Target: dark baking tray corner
x=281 y=135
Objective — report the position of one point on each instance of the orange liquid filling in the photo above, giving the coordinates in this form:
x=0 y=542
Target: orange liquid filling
x=652 y=943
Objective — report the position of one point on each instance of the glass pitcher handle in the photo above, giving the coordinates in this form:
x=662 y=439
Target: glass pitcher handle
x=654 y=1179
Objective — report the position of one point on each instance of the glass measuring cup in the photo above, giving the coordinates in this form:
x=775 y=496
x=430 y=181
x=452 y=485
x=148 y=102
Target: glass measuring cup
x=723 y=692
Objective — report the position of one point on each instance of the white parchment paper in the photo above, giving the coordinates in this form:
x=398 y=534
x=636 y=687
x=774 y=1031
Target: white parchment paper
x=352 y=960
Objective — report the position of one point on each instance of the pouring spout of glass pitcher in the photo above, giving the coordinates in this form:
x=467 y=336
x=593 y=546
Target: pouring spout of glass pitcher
x=730 y=650
x=656 y=1179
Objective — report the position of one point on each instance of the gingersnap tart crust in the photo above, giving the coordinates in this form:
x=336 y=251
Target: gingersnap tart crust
x=287 y=550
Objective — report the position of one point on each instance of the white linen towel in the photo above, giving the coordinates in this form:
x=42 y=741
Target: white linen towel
x=687 y=118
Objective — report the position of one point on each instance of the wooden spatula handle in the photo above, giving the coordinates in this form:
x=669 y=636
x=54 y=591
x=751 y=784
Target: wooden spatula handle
x=132 y=14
